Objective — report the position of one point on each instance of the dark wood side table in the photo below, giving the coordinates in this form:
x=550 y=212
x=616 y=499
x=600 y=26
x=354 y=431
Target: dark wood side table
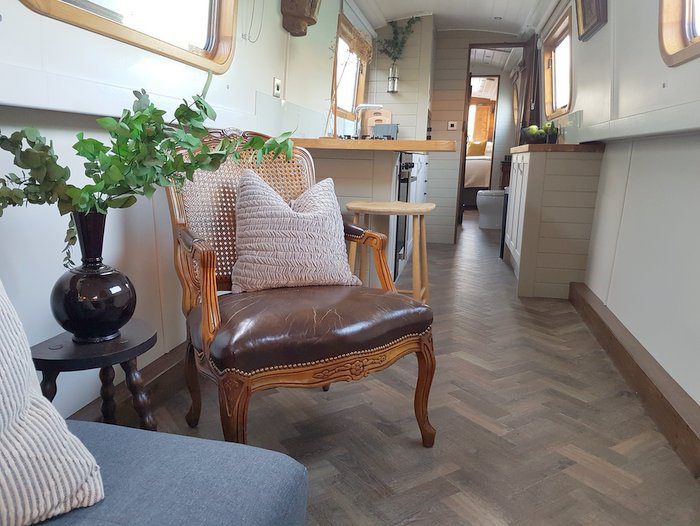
x=61 y=353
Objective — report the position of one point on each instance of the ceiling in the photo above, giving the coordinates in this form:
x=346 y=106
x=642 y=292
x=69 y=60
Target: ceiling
x=489 y=57
x=517 y=16
x=485 y=87
x=501 y=58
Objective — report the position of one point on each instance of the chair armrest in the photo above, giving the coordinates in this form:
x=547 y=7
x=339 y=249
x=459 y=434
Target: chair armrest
x=196 y=268
x=376 y=241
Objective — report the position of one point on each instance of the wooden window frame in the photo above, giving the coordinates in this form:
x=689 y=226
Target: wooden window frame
x=360 y=87
x=217 y=60
x=675 y=43
x=561 y=30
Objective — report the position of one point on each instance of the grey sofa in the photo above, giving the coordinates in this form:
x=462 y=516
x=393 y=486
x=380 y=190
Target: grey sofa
x=160 y=479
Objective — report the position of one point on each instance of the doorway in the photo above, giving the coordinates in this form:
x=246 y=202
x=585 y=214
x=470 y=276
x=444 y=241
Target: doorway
x=490 y=119
x=481 y=135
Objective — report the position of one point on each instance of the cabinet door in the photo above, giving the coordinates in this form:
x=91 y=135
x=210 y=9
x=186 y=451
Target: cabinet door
x=512 y=200
x=523 y=174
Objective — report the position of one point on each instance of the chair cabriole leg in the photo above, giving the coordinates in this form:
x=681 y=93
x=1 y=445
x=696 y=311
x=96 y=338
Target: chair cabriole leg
x=192 y=381
x=234 y=396
x=426 y=371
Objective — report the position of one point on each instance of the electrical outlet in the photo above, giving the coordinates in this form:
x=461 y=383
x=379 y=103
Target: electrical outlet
x=276 y=87
x=452 y=125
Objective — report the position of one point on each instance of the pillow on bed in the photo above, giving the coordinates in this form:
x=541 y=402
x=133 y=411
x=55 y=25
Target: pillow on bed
x=44 y=469
x=288 y=245
x=476 y=149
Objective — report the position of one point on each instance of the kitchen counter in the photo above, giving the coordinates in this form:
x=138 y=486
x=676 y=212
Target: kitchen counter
x=369 y=170
x=591 y=147
x=399 y=145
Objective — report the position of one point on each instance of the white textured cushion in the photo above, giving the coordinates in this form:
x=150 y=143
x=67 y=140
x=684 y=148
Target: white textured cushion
x=288 y=245
x=44 y=469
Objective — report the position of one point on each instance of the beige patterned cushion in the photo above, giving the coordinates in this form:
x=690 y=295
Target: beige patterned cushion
x=288 y=245
x=44 y=469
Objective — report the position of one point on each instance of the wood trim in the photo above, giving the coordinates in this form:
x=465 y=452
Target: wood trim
x=162 y=378
x=347 y=32
x=591 y=147
x=465 y=126
x=561 y=29
x=344 y=114
x=676 y=414
x=675 y=45
x=217 y=60
x=235 y=388
x=377 y=242
x=585 y=33
x=398 y=145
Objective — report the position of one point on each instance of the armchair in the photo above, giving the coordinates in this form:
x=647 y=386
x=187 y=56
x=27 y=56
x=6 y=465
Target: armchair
x=296 y=337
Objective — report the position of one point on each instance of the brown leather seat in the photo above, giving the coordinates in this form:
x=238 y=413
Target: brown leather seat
x=294 y=326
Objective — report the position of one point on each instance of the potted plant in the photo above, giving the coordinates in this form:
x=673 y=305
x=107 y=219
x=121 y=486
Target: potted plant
x=93 y=301
x=393 y=48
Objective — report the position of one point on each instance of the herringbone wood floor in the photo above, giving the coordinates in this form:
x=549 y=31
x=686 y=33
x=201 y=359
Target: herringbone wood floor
x=534 y=425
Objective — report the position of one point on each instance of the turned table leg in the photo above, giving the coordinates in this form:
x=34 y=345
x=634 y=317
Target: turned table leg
x=48 y=384
x=138 y=394
x=107 y=394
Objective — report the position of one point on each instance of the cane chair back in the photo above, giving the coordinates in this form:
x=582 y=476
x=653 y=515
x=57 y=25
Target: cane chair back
x=206 y=206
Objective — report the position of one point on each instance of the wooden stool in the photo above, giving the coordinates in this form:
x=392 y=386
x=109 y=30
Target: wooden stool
x=418 y=211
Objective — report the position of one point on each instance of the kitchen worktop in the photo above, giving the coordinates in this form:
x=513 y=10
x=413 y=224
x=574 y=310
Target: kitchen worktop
x=399 y=145
x=591 y=147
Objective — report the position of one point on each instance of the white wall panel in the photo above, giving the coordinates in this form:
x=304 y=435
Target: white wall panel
x=62 y=67
x=654 y=287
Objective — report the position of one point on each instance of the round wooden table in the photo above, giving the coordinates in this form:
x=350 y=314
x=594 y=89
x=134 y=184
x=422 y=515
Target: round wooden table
x=61 y=353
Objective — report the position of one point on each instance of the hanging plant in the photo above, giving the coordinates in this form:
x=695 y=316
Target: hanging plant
x=393 y=47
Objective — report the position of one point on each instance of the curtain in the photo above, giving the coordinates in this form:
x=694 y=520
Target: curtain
x=357 y=41
x=530 y=84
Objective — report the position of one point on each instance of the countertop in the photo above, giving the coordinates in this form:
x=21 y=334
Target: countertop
x=399 y=145
x=593 y=147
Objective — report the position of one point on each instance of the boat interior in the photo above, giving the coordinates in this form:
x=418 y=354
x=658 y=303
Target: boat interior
x=350 y=262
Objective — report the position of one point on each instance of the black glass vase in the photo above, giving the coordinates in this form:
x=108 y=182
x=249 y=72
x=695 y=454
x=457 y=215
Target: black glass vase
x=92 y=301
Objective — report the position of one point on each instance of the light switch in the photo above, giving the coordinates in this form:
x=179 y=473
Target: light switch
x=276 y=87
x=452 y=125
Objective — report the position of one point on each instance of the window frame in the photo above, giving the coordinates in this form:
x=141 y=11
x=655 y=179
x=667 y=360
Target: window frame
x=217 y=60
x=675 y=42
x=345 y=27
x=562 y=29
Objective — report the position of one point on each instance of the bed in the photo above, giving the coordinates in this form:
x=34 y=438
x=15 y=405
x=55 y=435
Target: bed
x=477 y=172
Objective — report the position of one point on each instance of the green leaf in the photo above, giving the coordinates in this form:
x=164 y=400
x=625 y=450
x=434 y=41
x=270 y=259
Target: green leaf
x=205 y=107
x=121 y=202
x=32 y=134
x=64 y=206
x=14 y=178
x=108 y=123
x=31 y=159
x=38 y=173
x=113 y=175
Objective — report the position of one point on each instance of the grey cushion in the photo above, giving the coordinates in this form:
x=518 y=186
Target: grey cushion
x=162 y=479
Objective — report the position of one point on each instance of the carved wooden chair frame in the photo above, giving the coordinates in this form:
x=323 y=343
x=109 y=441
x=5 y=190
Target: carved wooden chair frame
x=196 y=266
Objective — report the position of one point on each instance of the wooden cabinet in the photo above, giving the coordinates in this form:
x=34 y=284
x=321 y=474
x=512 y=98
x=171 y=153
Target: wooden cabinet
x=551 y=203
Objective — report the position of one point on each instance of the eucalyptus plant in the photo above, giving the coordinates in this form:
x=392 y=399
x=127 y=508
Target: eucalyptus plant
x=393 y=47
x=143 y=153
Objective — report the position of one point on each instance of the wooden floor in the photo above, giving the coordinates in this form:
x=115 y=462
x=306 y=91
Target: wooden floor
x=534 y=425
